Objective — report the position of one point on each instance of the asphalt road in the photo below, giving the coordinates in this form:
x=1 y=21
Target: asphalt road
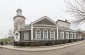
x=73 y=50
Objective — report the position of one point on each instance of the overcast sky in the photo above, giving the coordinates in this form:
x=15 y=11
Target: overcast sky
x=32 y=10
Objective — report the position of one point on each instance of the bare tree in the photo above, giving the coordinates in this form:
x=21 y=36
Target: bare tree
x=77 y=9
x=10 y=33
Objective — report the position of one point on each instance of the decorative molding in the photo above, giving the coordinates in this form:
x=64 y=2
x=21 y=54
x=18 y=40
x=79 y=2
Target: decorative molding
x=45 y=27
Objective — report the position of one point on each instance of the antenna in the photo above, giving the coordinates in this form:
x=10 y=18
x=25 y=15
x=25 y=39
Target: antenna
x=19 y=4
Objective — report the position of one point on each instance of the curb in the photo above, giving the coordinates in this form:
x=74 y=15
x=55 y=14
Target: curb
x=44 y=49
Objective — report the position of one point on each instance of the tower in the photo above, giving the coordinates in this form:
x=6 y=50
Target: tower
x=19 y=21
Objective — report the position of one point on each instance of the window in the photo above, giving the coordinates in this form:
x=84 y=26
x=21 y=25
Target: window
x=71 y=35
x=45 y=34
x=19 y=26
x=61 y=35
x=22 y=26
x=26 y=35
x=38 y=34
x=74 y=35
x=67 y=35
x=52 y=34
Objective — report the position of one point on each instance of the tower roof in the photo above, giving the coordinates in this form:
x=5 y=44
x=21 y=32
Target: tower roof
x=19 y=12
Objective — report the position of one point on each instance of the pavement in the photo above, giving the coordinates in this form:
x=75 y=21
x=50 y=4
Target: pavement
x=41 y=48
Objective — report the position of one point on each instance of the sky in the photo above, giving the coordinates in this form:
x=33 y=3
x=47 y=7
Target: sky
x=32 y=10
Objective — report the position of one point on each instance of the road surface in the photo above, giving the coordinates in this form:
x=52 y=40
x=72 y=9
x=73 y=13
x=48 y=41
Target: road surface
x=73 y=50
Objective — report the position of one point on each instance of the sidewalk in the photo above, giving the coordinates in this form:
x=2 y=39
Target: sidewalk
x=41 y=48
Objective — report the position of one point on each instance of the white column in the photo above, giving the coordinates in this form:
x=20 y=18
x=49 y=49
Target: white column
x=32 y=32
x=57 y=32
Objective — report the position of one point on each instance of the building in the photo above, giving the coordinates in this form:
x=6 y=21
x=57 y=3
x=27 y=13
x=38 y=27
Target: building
x=43 y=31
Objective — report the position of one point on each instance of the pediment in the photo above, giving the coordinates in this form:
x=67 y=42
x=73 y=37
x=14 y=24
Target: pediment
x=44 y=20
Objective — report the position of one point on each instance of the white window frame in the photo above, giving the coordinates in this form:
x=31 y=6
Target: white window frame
x=43 y=33
x=67 y=35
x=51 y=34
x=26 y=36
x=62 y=36
x=74 y=35
x=37 y=34
x=71 y=37
x=17 y=37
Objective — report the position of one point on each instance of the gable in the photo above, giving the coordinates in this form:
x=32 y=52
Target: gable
x=45 y=20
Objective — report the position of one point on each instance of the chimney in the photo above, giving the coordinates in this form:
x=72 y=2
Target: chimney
x=65 y=20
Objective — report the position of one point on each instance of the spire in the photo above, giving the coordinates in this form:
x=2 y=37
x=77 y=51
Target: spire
x=19 y=12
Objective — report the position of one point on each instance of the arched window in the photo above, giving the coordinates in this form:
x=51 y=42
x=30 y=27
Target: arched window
x=74 y=35
x=61 y=35
x=52 y=34
x=71 y=35
x=67 y=35
x=38 y=34
x=45 y=34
